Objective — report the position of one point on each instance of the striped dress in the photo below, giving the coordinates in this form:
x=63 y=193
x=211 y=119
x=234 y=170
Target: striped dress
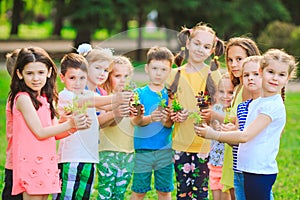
x=242 y=112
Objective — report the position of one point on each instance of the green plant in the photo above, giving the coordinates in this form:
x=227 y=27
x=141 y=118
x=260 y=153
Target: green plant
x=196 y=116
x=130 y=85
x=176 y=107
x=228 y=116
x=162 y=102
x=74 y=107
x=136 y=99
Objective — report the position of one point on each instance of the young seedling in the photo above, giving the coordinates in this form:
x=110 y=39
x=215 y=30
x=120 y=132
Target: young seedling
x=136 y=102
x=176 y=107
x=228 y=116
x=197 y=118
x=74 y=107
x=162 y=102
x=129 y=86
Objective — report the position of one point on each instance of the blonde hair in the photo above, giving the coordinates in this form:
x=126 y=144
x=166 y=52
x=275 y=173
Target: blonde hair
x=255 y=59
x=107 y=86
x=101 y=55
x=279 y=56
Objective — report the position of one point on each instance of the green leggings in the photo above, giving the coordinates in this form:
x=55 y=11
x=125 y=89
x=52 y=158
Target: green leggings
x=114 y=174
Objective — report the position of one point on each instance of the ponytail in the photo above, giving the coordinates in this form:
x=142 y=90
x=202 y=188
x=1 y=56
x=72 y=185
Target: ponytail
x=214 y=65
x=283 y=93
x=183 y=36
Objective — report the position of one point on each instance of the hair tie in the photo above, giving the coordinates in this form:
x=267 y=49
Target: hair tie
x=190 y=31
x=209 y=72
x=84 y=49
x=217 y=39
x=216 y=57
x=182 y=48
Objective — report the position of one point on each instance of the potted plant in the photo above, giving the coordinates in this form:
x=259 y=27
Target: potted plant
x=74 y=107
x=162 y=102
x=176 y=107
x=229 y=118
x=136 y=102
x=197 y=118
x=203 y=100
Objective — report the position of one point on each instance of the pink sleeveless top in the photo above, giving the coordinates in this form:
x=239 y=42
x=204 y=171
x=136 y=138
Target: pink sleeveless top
x=34 y=161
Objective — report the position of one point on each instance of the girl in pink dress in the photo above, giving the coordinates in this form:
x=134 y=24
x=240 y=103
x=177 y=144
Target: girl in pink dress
x=31 y=99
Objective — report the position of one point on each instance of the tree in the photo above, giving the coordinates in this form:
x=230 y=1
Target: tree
x=59 y=6
x=85 y=17
x=16 y=16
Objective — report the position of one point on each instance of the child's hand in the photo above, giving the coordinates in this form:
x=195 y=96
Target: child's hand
x=179 y=116
x=166 y=114
x=207 y=132
x=206 y=114
x=80 y=121
x=122 y=110
x=228 y=127
x=156 y=115
x=123 y=97
x=134 y=111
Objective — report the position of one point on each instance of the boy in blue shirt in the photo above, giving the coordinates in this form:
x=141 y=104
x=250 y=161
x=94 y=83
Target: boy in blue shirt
x=152 y=133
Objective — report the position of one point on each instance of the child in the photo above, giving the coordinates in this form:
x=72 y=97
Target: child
x=263 y=127
x=32 y=97
x=78 y=153
x=191 y=152
x=6 y=193
x=152 y=135
x=99 y=61
x=237 y=49
x=224 y=97
x=116 y=139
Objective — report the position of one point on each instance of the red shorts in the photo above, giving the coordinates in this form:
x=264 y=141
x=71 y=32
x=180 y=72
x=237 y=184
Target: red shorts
x=215 y=174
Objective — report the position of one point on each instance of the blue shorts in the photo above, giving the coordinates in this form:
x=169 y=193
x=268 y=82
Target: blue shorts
x=159 y=161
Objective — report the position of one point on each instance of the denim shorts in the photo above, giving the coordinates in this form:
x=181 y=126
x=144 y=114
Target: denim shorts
x=158 y=162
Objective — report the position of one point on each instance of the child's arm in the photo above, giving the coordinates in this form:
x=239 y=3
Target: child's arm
x=236 y=137
x=25 y=106
x=113 y=117
x=107 y=102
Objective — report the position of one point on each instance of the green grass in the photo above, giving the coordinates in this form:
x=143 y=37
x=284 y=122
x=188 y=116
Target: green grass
x=286 y=186
x=44 y=30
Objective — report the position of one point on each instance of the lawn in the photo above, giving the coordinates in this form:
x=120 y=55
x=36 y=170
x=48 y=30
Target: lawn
x=286 y=186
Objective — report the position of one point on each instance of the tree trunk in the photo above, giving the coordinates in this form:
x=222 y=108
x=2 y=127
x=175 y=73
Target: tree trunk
x=58 y=18
x=140 y=32
x=83 y=36
x=16 y=17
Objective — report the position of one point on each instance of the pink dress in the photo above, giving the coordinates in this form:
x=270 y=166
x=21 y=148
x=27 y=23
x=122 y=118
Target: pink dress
x=34 y=161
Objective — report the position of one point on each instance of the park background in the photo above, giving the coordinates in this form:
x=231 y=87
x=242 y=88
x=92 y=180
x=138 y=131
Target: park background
x=131 y=27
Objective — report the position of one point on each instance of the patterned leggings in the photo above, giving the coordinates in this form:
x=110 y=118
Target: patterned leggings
x=114 y=174
x=192 y=175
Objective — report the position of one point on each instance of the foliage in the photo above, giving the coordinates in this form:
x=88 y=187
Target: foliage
x=176 y=107
x=162 y=102
x=75 y=108
x=228 y=116
x=281 y=35
x=136 y=98
x=196 y=116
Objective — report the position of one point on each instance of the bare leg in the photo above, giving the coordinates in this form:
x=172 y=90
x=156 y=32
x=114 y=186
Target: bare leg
x=137 y=196
x=164 y=195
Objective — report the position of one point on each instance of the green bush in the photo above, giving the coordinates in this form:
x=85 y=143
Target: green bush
x=281 y=35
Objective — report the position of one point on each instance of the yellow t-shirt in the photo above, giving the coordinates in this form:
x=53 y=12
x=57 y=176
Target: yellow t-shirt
x=117 y=138
x=184 y=136
x=227 y=170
